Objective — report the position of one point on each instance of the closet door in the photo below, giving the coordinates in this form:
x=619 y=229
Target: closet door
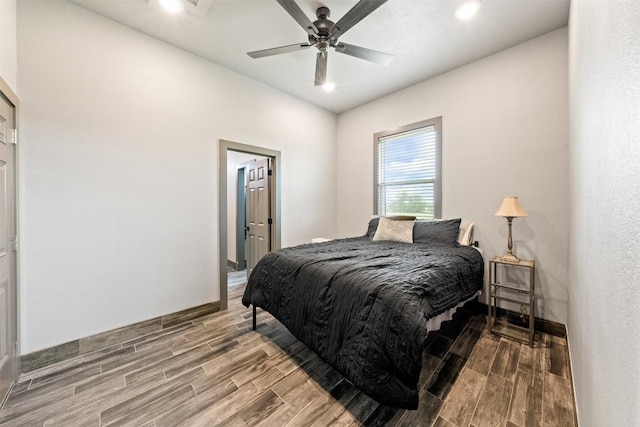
x=8 y=310
x=258 y=212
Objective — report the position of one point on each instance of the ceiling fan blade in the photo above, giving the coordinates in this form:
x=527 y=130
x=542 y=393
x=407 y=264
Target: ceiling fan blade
x=355 y=15
x=278 y=50
x=296 y=13
x=364 y=53
x=321 y=68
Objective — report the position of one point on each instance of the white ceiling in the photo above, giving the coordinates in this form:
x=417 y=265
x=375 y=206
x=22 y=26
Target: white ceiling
x=424 y=36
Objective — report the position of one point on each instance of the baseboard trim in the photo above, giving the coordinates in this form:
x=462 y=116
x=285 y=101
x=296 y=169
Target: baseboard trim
x=113 y=338
x=573 y=382
x=540 y=324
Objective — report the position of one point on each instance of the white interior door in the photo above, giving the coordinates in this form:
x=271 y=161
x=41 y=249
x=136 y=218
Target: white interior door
x=8 y=310
x=258 y=211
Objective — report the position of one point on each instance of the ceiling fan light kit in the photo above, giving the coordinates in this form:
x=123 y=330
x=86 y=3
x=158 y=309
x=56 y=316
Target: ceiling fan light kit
x=329 y=86
x=324 y=33
x=468 y=9
x=172 y=6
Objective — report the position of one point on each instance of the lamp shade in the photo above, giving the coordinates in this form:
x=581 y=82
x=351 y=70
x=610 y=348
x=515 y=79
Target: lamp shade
x=510 y=207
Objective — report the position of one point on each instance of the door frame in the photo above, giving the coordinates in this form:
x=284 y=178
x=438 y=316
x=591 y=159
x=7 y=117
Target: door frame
x=7 y=93
x=276 y=156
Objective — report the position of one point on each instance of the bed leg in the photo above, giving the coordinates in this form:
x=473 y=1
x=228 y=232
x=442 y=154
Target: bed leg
x=254 y=317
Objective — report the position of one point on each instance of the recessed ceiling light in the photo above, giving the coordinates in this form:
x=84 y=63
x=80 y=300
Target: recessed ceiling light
x=329 y=86
x=468 y=9
x=172 y=6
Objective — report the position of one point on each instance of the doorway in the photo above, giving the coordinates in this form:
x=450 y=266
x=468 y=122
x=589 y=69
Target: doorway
x=9 y=360
x=238 y=228
x=227 y=148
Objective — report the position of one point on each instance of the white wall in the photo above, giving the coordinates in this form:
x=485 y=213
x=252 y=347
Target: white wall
x=119 y=171
x=234 y=159
x=604 y=290
x=8 y=57
x=505 y=131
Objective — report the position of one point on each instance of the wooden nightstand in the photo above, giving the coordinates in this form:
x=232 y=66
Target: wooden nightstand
x=508 y=282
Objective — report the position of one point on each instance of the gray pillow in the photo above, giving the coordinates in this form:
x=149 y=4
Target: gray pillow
x=437 y=233
x=373 y=226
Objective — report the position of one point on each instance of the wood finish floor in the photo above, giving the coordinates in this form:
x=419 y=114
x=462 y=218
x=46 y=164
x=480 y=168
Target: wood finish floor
x=214 y=370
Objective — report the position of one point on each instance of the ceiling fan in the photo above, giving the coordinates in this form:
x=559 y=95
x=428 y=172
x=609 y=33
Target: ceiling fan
x=324 y=34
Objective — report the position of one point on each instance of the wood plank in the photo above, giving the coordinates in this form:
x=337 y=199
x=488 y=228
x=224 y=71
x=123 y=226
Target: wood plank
x=36 y=411
x=557 y=361
x=355 y=410
x=195 y=406
x=39 y=400
x=286 y=412
x=478 y=321
x=464 y=344
x=384 y=416
x=165 y=364
x=445 y=376
x=200 y=337
x=429 y=367
x=84 y=405
x=290 y=386
x=160 y=337
x=483 y=354
x=461 y=403
x=427 y=411
x=258 y=409
x=441 y=422
x=85 y=420
x=347 y=419
x=336 y=414
x=557 y=402
x=534 y=402
x=526 y=402
x=223 y=370
x=268 y=379
x=144 y=411
x=68 y=376
x=493 y=406
x=505 y=363
x=532 y=360
x=136 y=406
x=136 y=360
x=440 y=346
x=310 y=413
x=218 y=412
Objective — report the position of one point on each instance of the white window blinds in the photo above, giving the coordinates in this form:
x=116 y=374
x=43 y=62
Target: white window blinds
x=408 y=169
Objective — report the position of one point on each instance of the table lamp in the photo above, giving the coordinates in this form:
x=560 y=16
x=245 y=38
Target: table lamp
x=509 y=209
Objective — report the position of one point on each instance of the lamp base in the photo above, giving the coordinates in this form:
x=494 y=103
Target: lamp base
x=510 y=258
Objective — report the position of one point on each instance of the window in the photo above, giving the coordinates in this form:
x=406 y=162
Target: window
x=408 y=170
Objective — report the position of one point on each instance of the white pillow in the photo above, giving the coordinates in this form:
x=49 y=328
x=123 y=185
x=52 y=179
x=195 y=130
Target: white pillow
x=394 y=230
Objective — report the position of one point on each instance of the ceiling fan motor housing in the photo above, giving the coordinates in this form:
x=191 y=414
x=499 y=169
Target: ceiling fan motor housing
x=324 y=33
x=323 y=24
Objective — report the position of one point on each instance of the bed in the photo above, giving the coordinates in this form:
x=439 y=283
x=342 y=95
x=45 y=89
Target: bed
x=364 y=304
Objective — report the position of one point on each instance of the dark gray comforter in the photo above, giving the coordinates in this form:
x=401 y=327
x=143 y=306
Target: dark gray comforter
x=363 y=305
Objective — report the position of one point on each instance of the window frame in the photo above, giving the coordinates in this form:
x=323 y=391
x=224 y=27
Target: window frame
x=437 y=185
